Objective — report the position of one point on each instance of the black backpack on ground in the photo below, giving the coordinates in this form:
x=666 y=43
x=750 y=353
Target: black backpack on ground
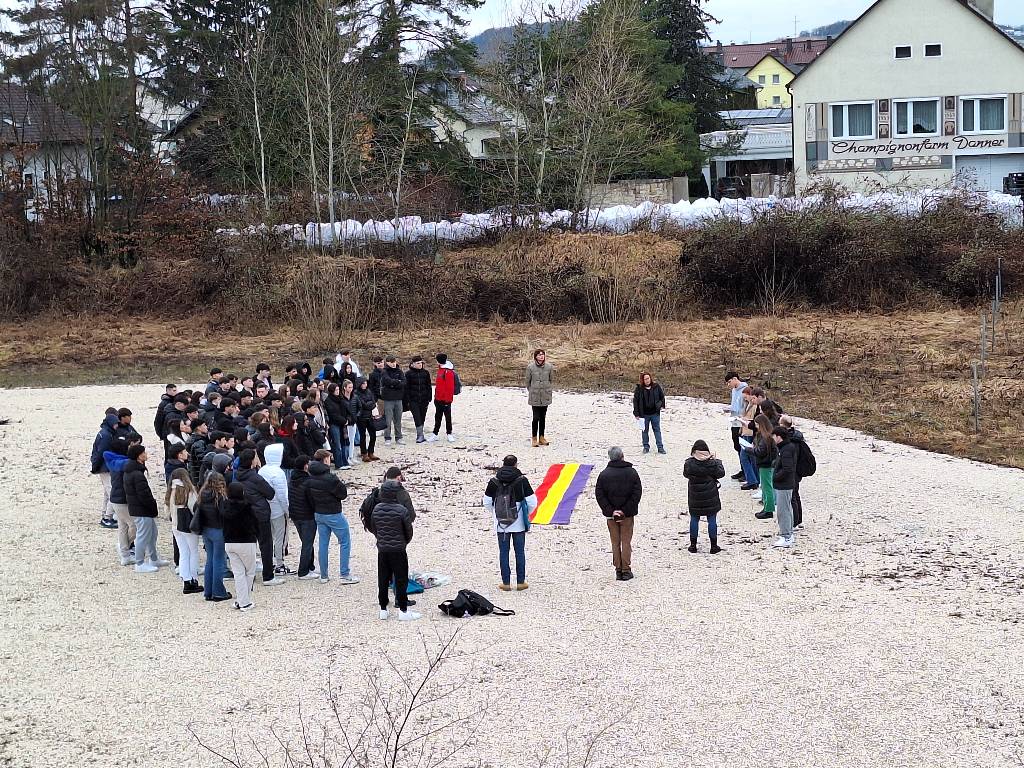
x=469 y=603
x=806 y=465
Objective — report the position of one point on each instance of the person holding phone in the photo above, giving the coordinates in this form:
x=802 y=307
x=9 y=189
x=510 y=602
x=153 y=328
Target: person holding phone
x=618 y=492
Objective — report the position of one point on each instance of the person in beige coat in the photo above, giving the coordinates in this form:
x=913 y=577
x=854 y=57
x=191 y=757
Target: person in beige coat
x=540 y=387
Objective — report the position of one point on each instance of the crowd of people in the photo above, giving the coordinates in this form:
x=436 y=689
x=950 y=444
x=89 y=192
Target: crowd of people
x=245 y=461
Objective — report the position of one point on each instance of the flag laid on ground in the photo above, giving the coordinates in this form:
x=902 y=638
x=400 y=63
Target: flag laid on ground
x=557 y=495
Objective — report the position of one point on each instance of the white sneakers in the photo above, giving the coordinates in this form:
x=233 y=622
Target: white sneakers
x=273 y=582
x=451 y=438
x=128 y=560
x=383 y=614
x=310 y=576
x=387 y=441
x=756 y=495
x=783 y=542
x=431 y=438
x=407 y=615
x=350 y=579
x=324 y=579
x=161 y=563
x=146 y=568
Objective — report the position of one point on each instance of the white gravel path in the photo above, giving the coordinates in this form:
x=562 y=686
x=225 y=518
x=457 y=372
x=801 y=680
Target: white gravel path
x=890 y=636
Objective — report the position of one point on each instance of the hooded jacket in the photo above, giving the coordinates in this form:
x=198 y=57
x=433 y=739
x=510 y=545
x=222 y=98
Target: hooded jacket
x=367 y=402
x=258 y=492
x=373 y=380
x=418 y=385
x=373 y=497
x=137 y=492
x=240 y=523
x=116 y=463
x=794 y=434
x=275 y=477
x=703 y=471
x=619 y=487
x=390 y=521
x=522 y=492
x=161 y=415
x=298 y=502
x=540 y=383
x=444 y=383
x=324 y=491
x=392 y=383
x=101 y=444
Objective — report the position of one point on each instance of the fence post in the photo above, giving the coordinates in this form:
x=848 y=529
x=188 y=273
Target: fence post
x=983 y=346
x=977 y=397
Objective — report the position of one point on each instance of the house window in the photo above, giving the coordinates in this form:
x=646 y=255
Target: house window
x=983 y=114
x=776 y=100
x=166 y=125
x=933 y=50
x=775 y=79
x=917 y=118
x=855 y=120
x=903 y=51
x=761 y=79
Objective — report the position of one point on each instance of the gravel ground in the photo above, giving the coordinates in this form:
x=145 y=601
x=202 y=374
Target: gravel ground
x=890 y=636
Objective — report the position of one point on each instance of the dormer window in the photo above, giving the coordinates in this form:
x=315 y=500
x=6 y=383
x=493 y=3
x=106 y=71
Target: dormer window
x=903 y=51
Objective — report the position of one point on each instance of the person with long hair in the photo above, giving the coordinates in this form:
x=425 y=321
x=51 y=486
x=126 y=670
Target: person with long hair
x=746 y=439
x=367 y=433
x=337 y=418
x=648 y=403
x=179 y=500
x=209 y=521
x=764 y=454
x=540 y=390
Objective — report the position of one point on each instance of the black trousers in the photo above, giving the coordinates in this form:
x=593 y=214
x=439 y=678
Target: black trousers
x=419 y=413
x=736 y=440
x=366 y=431
x=445 y=410
x=266 y=541
x=307 y=534
x=798 y=507
x=396 y=565
x=540 y=415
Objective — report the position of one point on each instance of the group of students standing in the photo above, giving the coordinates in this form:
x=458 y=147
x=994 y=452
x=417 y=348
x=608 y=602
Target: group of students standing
x=244 y=460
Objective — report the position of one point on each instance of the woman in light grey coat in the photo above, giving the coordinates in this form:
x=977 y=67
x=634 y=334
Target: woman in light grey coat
x=539 y=385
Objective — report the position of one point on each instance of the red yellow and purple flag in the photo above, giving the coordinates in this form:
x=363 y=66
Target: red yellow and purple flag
x=557 y=495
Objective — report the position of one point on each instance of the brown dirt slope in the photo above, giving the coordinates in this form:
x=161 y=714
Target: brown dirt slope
x=903 y=377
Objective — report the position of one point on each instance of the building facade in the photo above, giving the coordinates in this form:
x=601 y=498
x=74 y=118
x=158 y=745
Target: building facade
x=917 y=93
x=759 y=141
x=772 y=76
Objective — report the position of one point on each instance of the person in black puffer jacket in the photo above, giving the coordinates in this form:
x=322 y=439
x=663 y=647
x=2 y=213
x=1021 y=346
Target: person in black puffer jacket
x=391 y=523
x=209 y=521
x=337 y=424
x=703 y=470
x=258 y=492
x=619 y=491
x=784 y=480
x=325 y=492
x=367 y=433
x=301 y=513
x=419 y=393
x=143 y=509
x=241 y=531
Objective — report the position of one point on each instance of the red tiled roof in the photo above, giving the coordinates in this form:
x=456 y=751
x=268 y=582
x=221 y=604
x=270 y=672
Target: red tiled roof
x=747 y=55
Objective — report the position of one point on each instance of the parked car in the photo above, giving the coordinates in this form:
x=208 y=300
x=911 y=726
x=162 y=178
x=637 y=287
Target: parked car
x=732 y=187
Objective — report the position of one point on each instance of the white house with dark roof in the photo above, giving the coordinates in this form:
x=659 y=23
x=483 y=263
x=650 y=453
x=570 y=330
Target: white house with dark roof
x=44 y=150
x=919 y=93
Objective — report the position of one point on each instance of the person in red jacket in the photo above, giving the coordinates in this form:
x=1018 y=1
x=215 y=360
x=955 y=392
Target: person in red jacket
x=446 y=387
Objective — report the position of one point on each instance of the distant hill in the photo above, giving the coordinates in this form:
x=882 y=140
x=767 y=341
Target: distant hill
x=834 y=29
x=489 y=42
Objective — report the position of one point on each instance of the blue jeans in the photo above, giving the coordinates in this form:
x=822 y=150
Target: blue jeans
x=653 y=421
x=519 y=544
x=338 y=448
x=216 y=563
x=749 y=467
x=338 y=525
x=712 y=526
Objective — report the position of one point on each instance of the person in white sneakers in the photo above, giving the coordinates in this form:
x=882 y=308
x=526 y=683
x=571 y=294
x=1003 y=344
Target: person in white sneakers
x=391 y=523
x=241 y=532
x=275 y=477
x=143 y=510
x=784 y=481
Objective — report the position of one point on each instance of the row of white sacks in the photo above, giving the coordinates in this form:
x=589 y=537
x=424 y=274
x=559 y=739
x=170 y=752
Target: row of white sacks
x=621 y=218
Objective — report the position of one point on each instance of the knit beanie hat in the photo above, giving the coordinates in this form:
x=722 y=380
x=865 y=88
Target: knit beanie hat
x=441 y=358
x=700 y=445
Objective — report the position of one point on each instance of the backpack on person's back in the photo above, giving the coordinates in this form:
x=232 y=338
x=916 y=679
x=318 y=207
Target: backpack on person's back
x=806 y=465
x=506 y=511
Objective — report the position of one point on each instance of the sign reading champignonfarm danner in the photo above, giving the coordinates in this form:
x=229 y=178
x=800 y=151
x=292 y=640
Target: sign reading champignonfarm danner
x=917 y=146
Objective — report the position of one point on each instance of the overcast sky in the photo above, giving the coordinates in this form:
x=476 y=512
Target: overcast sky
x=751 y=20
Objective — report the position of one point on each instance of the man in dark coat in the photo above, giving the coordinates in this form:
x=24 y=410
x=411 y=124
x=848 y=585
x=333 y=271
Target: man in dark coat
x=301 y=513
x=392 y=392
x=391 y=523
x=165 y=399
x=100 y=444
x=325 y=492
x=124 y=429
x=258 y=492
x=784 y=478
x=419 y=393
x=618 y=494
x=143 y=509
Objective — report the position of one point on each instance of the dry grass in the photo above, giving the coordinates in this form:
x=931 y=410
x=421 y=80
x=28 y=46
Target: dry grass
x=901 y=377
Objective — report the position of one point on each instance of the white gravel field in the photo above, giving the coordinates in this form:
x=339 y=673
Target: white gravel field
x=890 y=636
